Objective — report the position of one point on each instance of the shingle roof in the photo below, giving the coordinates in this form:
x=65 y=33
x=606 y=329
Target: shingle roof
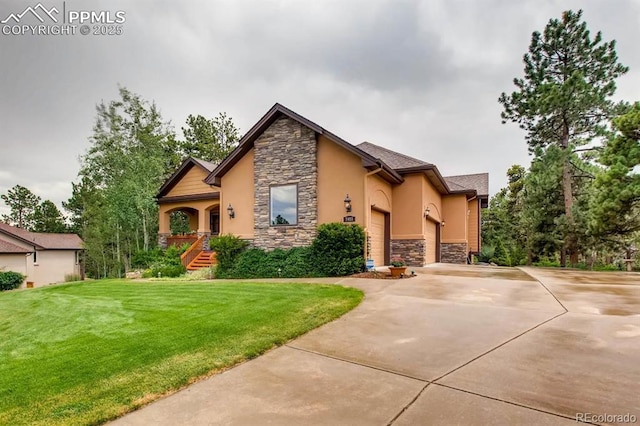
x=478 y=182
x=208 y=165
x=393 y=159
x=278 y=111
x=44 y=240
x=7 y=247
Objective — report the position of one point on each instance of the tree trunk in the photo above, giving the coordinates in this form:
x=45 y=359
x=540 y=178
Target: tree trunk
x=145 y=232
x=567 y=192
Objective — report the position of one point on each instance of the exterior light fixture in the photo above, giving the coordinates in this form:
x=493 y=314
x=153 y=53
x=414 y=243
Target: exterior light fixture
x=442 y=224
x=347 y=203
x=426 y=212
x=231 y=212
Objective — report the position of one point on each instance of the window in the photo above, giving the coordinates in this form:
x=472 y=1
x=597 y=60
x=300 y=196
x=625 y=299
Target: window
x=284 y=205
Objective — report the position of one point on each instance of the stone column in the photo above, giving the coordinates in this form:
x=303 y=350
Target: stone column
x=412 y=251
x=162 y=239
x=453 y=253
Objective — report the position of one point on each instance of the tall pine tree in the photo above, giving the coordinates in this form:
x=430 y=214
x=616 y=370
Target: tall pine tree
x=564 y=99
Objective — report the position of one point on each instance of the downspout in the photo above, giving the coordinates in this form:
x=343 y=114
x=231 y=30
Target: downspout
x=367 y=203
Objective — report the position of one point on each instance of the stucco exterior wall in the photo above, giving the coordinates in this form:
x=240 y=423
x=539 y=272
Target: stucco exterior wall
x=432 y=199
x=286 y=153
x=239 y=191
x=50 y=267
x=454 y=213
x=191 y=183
x=407 y=217
x=473 y=225
x=340 y=172
x=18 y=262
x=53 y=265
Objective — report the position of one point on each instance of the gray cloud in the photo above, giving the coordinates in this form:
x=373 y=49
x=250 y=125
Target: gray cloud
x=421 y=77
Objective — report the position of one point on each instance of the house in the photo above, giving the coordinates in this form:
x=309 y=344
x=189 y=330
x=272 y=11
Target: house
x=42 y=257
x=288 y=175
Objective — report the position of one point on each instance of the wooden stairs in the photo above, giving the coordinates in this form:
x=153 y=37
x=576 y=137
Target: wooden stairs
x=204 y=259
x=196 y=257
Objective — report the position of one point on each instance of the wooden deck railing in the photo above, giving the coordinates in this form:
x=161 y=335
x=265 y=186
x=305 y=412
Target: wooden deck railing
x=179 y=240
x=192 y=252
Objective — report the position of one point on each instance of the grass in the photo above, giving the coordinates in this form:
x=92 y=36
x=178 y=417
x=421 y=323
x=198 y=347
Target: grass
x=85 y=353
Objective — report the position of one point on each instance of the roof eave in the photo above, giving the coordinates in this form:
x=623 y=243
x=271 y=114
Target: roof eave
x=246 y=143
x=432 y=172
x=17 y=237
x=177 y=175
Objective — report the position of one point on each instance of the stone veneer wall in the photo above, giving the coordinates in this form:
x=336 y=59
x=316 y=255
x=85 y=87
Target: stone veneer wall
x=412 y=251
x=162 y=240
x=286 y=153
x=453 y=252
x=205 y=242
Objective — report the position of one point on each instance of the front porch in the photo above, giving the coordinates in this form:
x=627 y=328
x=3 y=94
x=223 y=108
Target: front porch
x=184 y=224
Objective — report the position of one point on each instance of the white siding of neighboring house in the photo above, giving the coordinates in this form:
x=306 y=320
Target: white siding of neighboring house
x=50 y=267
x=16 y=262
x=53 y=265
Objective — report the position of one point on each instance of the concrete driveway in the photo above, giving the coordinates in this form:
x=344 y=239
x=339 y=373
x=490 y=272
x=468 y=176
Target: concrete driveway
x=455 y=345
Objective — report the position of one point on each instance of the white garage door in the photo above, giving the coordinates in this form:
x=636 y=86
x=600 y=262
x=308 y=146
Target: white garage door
x=376 y=232
x=430 y=242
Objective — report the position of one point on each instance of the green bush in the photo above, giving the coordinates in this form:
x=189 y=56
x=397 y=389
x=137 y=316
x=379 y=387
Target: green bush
x=338 y=249
x=172 y=271
x=547 y=262
x=10 y=280
x=145 y=258
x=227 y=248
x=486 y=253
x=258 y=263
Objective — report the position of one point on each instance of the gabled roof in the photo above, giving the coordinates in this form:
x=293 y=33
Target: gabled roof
x=478 y=182
x=246 y=143
x=7 y=247
x=184 y=168
x=394 y=159
x=42 y=240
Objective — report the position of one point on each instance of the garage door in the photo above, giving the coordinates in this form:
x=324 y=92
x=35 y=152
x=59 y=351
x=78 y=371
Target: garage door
x=376 y=232
x=431 y=242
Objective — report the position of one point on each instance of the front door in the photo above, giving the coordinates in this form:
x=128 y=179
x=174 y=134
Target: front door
x=214 y=222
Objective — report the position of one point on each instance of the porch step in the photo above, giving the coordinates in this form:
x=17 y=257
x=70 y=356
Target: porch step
x=205 y=259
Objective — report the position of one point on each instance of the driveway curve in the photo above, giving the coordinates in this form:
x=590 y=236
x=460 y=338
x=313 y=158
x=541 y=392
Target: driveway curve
x=454 y=345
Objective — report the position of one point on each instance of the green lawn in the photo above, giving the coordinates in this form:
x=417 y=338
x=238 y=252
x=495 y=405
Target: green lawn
x=87 y=352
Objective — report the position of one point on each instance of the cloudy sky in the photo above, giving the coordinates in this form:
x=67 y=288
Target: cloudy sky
x=419 y=77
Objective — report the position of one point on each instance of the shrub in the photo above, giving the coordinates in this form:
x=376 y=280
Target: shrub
x=71 y=277
x=258 y=263
x=547 y=262
x=338 y=249
x=486 y=253
x=145 y=258
x=201 y=274
x=227 y=248
x=10 y=280
x=171 y=271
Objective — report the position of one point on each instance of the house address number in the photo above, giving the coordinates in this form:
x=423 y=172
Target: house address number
x=348 y=219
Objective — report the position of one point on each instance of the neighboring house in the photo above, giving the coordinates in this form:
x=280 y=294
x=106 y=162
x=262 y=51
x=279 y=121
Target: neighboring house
x=288 y=175
x=43 y=258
